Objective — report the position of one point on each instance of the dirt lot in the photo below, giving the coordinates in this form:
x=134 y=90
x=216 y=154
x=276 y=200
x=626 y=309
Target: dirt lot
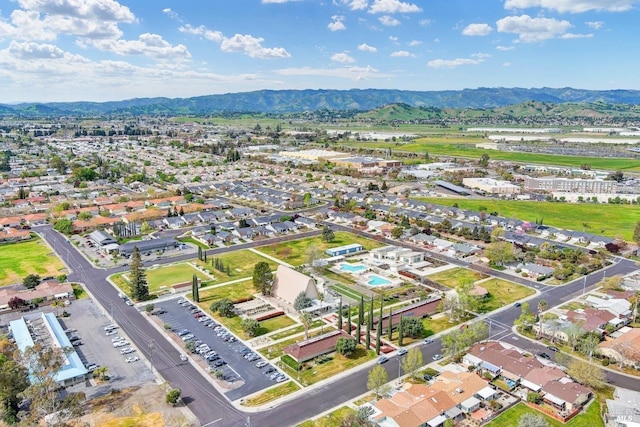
x=141 y=406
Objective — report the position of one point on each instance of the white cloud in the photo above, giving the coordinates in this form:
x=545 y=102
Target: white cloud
x=425 y=22
x=596 y=25
x=573 y=6
x=354 y=4
x=152 y=45
x=277 y=1
x=366 y=48
x=393 y=39
x=477 y=30
x=388 y=21
x=531 y=29
x=576 y=36
x=505 y=48
x=415 y=43
x=506 y=64
x=475 y=59
x=252 y=46
x=393 y=6
x=336 y=23
x=402 y=54
x=202 y=31
x=171 y=14
x=352 y=73
x=30 y=50
x=342 y=58
x=100 y=10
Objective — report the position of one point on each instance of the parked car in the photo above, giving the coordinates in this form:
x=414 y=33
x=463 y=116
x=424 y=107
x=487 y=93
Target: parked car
x=111 y=332
x=544 y=355
x=261 y=364
x=219 y=363
x=132 y=359
x=402 y=351
x=382 y=359
x=428 y=341
x=188 y=337
x=437 y=356
x=553 y=348
x=184 y=357
x=183 y=332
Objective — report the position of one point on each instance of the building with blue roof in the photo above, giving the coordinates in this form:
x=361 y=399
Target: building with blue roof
x=46 y=329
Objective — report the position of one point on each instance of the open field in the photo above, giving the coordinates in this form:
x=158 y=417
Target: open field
x=162 y=278
x=454 y=277
x=464 y=148
x=607 y=220
x=501 y=293
x=435 y=326
x=294 y=252
x=591 y=418
x=233 y=291
x=333 y=419
x=241 y=264
x=18 y=260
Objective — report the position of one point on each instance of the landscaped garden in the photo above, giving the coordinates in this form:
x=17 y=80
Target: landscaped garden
x=294 y=252
x=18 y=260
x=453 y=277
x=501 y=293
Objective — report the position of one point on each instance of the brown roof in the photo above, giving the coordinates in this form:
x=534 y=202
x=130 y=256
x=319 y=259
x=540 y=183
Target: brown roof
x=44 y=290
x=627 y=343
x=510 y=360
x=590 y=318
x=567 y=391
x=543 y=375
x=315 y=346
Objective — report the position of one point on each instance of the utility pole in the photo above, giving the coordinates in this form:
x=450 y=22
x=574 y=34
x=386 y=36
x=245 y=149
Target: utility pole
x=151 y=349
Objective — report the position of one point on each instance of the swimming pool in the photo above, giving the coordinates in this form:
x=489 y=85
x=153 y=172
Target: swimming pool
x=378 y=281
x=352 y=268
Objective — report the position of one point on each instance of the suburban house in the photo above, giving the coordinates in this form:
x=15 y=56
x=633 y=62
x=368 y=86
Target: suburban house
x=10 y=234
x=48 y=290
x=316 y=346
x=450 y=396
x=288 y=284
x=623 y=346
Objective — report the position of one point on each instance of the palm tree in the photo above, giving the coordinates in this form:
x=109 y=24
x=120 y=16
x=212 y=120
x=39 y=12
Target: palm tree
x=306 y=320
x=542 y=306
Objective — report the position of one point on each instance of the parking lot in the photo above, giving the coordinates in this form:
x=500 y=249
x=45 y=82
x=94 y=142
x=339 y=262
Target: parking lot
x=236 y=368
x=87 y=322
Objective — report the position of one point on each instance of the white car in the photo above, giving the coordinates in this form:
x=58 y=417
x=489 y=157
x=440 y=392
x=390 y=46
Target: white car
x=132 y=359
x=402 y=351
x=116 y=339
x=120 y=344
x=110 y=327
x=127 y=350
x=112 y=332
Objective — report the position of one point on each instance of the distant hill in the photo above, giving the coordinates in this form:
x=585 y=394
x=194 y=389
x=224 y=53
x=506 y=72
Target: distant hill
x=297 y=101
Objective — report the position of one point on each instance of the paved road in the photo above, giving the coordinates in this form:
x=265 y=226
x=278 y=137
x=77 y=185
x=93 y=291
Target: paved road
x=209 y=405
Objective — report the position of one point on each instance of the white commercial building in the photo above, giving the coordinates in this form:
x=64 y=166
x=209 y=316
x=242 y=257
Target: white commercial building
x=491 y=186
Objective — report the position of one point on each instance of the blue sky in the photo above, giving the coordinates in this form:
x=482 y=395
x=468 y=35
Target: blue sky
x=99 y=50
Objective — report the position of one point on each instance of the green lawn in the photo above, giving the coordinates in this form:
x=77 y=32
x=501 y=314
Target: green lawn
x=274 y=324
x=233 y=291
x=501 y=293
x=162 y=278
x=607 y=220
x=333 y=419
x=196 y=243
x=510 y=418
x=294 y=331
x=347 y=291
x=434 y=326
x=18 y=260
x=294 y=252
x=272 y=394
x=453 y=277
x=241 y=264
x=457 y=147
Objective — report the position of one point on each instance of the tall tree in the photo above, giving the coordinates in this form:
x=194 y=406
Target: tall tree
x=400 y=337
x=263 y=278
x=13 y=380
x=542 y=306
x=587 y=373
x=327 y=234
x=412 y=362
x=636 y=233
x=360 y=318
x=195 y=292
x=306 y=320
x=138 y=277
x=378 y=337
x=377 y=379
x=390 y=325
x=349 y=319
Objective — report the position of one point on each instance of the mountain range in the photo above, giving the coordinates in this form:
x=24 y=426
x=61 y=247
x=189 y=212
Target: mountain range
x=298 y=101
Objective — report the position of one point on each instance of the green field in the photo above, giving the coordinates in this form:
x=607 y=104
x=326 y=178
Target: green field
x=233 y=291
x=608 y=220
x=591 y=418
x=18 y=260
x=453 y=277
x=241 y=264
x=461 y=147
x=294 y=252
x=162 y=278
x=501 y=293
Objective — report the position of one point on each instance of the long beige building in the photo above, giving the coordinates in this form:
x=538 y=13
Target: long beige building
x=491 y=186
x=569 y=185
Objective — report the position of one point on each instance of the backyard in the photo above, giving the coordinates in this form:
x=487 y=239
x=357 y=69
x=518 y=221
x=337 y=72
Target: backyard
x=452 y=278
x=18 y=260
x=510 y=418
x=501 y=293
x=294 y=252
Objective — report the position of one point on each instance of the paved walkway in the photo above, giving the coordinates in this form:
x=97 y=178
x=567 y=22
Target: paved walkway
x=262 y=254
